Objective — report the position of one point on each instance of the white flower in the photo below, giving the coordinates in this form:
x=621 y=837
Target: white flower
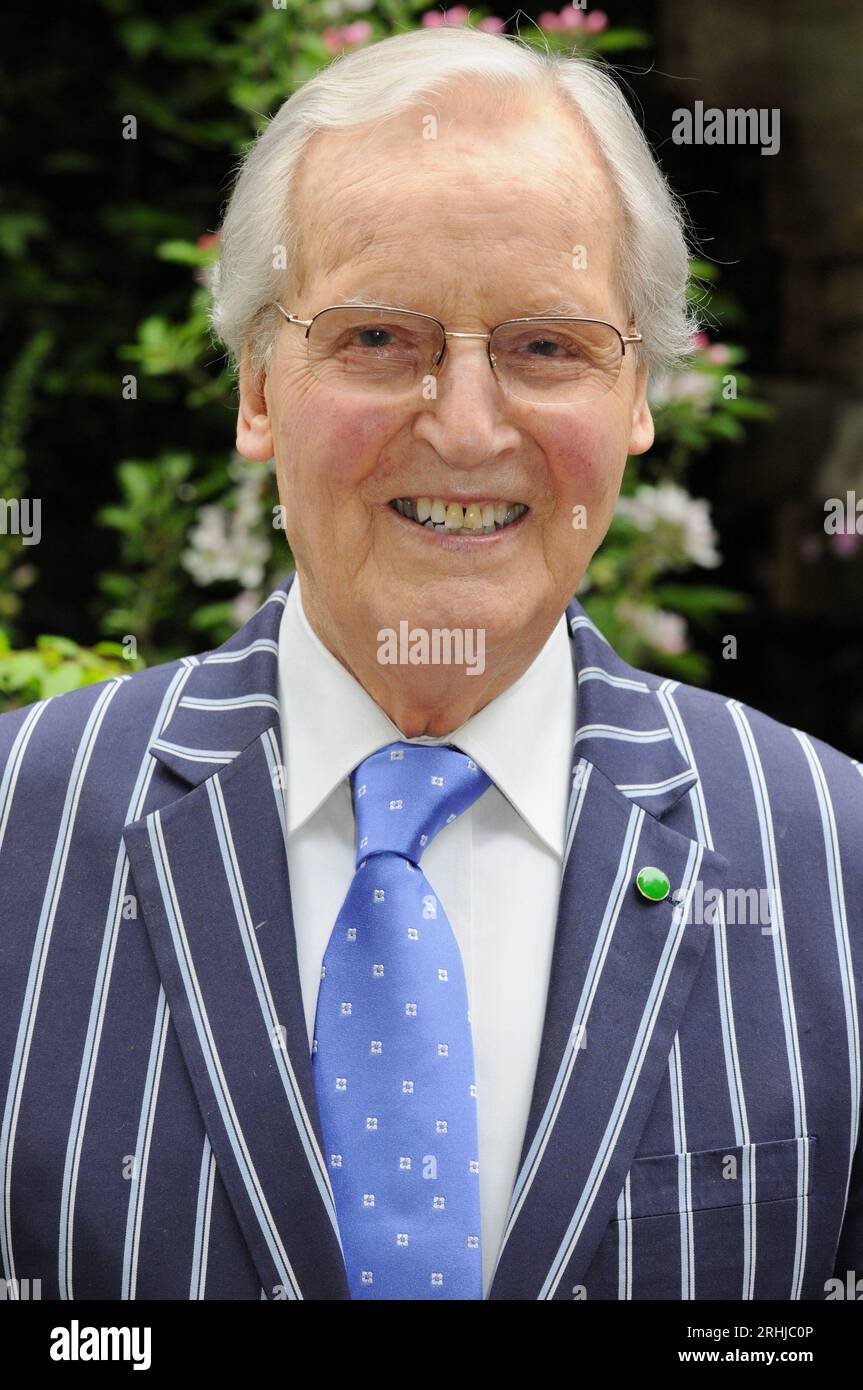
x=222 y=547
x=223 y=544
x=244 y=606
x=671 y=506
x=668 y=388
x=664 y=631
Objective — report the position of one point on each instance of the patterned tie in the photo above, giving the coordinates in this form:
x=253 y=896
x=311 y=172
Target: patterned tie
x=393 y=1053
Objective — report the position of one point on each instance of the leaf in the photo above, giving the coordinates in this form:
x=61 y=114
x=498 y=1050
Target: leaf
x=699 y=601
x=614 y=40
x=63 y=646
x=209 y=614
x=67 y=677
x=20 y=668
x=186 y=253
x=135 y=479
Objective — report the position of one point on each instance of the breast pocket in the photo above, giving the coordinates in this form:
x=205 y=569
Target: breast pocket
x=717 y=1223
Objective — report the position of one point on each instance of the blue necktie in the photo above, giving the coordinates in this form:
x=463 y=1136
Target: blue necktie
x=393 y=1053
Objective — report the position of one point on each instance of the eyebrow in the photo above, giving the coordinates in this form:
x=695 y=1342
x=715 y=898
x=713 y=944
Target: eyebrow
x=562 y=308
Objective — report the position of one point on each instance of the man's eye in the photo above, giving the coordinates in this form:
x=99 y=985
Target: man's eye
x=544 y=347
x=372 y=337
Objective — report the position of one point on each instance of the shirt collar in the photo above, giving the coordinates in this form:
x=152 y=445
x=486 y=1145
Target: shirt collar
x=330 y=724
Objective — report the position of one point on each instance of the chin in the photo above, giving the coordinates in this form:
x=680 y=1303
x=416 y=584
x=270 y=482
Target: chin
x=500 y=609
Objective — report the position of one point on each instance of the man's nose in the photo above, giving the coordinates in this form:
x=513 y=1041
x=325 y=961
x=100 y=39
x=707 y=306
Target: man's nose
x=466 y=413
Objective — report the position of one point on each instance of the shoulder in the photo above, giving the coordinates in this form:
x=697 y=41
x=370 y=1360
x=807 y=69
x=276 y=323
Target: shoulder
x=44 y=745
x=778 y=781
x=733 y=724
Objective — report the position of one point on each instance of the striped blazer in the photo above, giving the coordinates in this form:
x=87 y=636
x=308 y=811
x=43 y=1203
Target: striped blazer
x=696 y=1106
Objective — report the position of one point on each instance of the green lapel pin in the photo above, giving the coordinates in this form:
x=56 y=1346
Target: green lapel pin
x=652 y=884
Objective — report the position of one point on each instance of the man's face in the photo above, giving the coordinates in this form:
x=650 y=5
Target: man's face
x=482 y=224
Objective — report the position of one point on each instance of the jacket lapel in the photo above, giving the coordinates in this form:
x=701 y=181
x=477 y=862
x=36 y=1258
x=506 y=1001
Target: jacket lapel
x=212 y=880
x=622 y=970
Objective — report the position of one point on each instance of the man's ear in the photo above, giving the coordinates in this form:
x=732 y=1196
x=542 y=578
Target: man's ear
x=641 y=430
x=254 y=432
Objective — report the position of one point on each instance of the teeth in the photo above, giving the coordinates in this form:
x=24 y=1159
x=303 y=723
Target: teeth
x=437 y=514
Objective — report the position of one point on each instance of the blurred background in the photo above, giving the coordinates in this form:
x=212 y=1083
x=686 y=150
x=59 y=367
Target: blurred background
x=735 y=558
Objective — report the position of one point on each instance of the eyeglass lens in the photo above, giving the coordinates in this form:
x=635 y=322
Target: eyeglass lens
x=386 y=352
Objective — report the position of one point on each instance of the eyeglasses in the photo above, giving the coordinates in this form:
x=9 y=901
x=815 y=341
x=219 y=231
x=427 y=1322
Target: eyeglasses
x=371 y=349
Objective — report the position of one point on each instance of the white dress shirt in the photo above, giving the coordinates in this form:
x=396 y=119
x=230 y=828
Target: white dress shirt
x=496 y=869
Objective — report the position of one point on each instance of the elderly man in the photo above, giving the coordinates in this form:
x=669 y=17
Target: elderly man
x=386 y=952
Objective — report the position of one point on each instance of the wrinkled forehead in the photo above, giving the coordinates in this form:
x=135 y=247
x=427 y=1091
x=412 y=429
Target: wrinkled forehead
x=461 y=178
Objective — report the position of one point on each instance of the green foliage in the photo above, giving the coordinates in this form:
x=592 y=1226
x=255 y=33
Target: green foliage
x=158 y=503
x=56 y=665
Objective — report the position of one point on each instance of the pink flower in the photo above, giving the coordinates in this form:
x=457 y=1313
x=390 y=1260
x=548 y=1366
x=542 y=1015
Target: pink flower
x=845 y=543
x=208 y=241
x=492 y=25
x=457 y=15
x=698 y=341
x=433 y=19
x=596 y=21
x=332 y=40
x=660 y=629
x=718 y=354
x=548 y=20
x=357 y=32
x=571 y=18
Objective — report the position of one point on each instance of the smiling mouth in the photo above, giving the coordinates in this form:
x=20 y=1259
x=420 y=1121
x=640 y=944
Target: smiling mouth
x=478 y=518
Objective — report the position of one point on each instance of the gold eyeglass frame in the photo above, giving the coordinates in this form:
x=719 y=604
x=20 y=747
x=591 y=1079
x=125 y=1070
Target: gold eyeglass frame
x=452 y=333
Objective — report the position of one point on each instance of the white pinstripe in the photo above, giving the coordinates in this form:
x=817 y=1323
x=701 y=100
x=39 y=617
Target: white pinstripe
x=684 y=1173
x=143 y=1144
x=783 y=975
x=840 y=928
x=263 y=644
x=203 y=1216
x=624 y=1242
x=736 y=1091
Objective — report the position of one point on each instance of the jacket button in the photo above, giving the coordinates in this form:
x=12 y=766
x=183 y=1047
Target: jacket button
x=652 y=884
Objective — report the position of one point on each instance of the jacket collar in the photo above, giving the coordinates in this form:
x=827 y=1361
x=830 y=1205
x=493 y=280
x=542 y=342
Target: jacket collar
x=622 y=725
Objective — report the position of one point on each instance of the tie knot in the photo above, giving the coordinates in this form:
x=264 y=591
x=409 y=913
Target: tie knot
x=405 y=793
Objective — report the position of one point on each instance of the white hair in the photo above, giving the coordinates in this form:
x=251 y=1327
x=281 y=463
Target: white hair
x=376 y=82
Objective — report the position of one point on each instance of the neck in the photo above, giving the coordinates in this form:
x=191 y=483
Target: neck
x=426 y=685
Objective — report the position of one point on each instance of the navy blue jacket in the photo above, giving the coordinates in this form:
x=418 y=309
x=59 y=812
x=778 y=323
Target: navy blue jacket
x=696 y=1108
